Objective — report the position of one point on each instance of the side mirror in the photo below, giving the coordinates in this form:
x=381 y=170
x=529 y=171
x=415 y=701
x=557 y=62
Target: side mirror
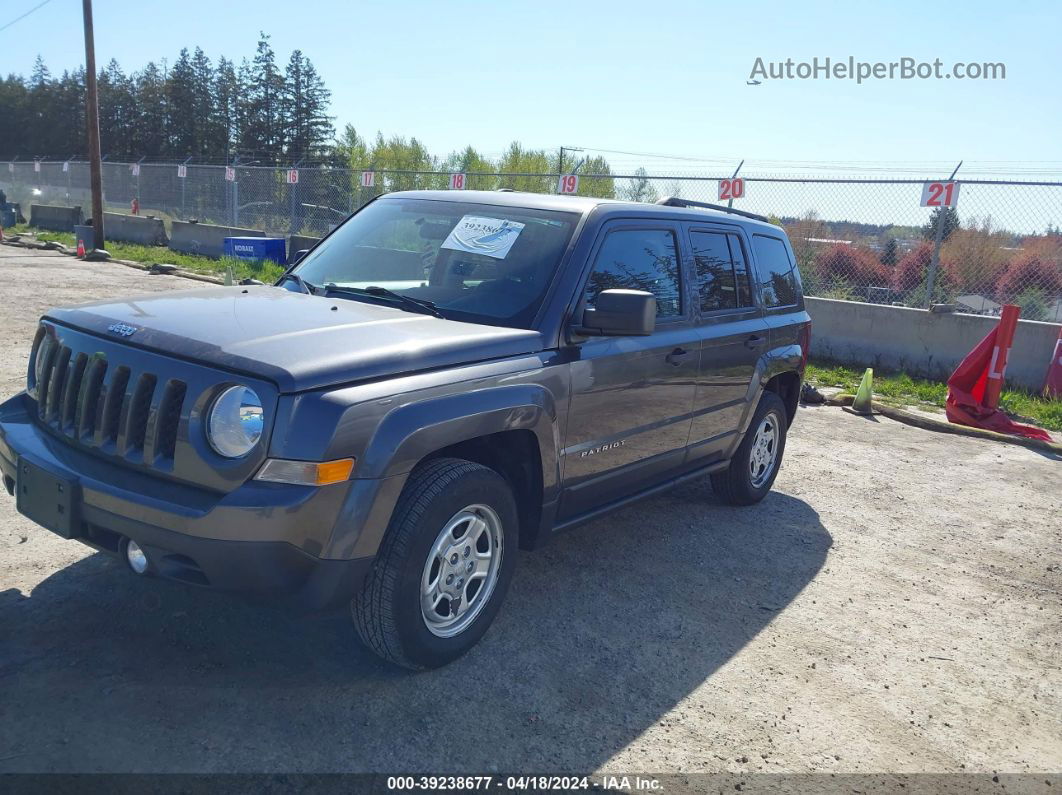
x=620 y=313
x=302 y=252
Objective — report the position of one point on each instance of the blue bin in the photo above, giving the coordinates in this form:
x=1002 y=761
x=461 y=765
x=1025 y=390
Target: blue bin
x=8 y=215
x=256 y=249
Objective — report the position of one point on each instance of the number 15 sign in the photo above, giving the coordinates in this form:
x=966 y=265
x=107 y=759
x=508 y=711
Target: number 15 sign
x=940 y=194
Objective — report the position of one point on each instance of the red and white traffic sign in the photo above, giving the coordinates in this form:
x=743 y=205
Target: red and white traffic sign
x=940 y=194
x=457 y=181
x=293 y=176
x=733 y=188
x=569 y=183
x=182 y=171
x=135 y=169
x=230 y=174
x=368 y=179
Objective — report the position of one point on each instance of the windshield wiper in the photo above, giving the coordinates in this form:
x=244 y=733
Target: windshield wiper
x=416 y=304
x=304 y=285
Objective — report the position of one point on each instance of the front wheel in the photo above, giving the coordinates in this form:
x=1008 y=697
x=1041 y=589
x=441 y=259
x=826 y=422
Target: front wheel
x=755 y=464
x=443 y=568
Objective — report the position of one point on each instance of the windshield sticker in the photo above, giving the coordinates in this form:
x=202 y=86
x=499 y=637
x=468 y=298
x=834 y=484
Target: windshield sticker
x=492 y=237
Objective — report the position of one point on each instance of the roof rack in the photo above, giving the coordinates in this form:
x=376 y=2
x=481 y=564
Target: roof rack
x=674 y=201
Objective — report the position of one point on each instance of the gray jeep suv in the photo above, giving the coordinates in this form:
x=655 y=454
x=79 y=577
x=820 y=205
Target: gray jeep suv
x=447 y=378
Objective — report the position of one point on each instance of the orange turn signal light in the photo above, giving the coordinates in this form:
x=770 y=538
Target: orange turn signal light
x=306 y=473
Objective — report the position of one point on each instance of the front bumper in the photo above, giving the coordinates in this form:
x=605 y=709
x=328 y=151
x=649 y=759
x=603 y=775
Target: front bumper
x=261 y=538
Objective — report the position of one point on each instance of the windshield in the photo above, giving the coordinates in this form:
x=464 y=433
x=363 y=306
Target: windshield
x=478 y=262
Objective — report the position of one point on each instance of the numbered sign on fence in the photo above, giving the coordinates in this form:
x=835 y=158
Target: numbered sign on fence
x=136 y=169
x=293 y=176
x=66 y=165
x=182 y=172
x=940 y=194
x=368 y=179
x=733 y=188
x=230 y=174
x=11 y=167
x=569 y=183
x=36 y=165
x=457 y=181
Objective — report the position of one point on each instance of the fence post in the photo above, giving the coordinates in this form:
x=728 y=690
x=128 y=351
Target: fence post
x=234 y=192
x=938 y=239
x=184 y=213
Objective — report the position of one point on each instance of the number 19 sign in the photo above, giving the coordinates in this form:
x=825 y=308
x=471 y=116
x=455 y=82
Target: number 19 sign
x=940 y=194
x=569 y=183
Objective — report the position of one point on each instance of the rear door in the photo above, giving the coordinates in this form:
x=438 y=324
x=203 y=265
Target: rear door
x=629 y=416
x=732 y=335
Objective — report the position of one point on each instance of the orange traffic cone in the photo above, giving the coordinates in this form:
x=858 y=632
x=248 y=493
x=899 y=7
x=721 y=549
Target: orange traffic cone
x=81 y=248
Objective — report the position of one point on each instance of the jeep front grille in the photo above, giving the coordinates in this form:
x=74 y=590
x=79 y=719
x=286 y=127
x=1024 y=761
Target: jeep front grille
x=107 y=406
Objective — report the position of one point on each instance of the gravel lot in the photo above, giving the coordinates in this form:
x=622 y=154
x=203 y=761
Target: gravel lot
x=892 y=606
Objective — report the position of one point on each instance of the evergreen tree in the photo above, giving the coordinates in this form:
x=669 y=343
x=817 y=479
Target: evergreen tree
x=150 y=135
x=204 y=107
x=227 y=115
x=263 y=132
x=180 y=108
x=308 y=128
x=890 y=255
x=948 y=216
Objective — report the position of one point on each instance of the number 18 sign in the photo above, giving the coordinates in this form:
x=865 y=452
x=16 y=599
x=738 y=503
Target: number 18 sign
x=940 y=194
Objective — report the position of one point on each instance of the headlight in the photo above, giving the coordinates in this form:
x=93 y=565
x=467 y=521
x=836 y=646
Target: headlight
x=235 y=422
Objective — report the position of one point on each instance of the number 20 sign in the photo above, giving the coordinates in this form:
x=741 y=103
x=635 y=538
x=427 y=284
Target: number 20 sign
x=940 y=194
x=731 y=188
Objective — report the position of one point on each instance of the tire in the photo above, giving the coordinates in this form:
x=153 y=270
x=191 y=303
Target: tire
x=388 y=612
x=737 y=485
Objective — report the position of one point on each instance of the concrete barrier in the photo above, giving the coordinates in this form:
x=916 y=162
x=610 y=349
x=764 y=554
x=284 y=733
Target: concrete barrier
x=57 y=219
x=919 y=342
x=298 y=243
x=205 y=239
x=134 y=229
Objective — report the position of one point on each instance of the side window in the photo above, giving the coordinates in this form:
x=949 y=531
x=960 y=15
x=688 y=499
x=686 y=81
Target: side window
x=741 y=270
x=715 y=271
x=639 y=259
x=778 y=281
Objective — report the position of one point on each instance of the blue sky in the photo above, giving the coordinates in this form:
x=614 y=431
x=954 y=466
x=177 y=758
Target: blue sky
x=642 y=77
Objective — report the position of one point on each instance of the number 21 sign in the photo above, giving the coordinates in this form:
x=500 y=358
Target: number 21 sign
x=940 y=194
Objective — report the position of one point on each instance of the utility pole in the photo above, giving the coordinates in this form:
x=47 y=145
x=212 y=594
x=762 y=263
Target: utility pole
x=93 y=118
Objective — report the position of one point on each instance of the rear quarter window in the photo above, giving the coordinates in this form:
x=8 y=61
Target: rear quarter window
x=779 y=282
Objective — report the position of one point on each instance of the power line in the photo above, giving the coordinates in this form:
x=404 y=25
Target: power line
x=18 y=19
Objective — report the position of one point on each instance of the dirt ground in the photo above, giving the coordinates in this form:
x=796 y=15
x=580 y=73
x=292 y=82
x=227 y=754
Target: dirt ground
x=894 y=605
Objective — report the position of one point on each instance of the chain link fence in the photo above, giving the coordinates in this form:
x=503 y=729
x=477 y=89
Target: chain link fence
x=855 y=239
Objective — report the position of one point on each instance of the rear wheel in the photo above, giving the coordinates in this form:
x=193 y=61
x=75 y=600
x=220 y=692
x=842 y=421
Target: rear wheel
x=755 y=464
x=443 y=568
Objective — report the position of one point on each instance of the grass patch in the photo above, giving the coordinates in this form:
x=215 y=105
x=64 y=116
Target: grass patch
x=266 y=271
x=902 y=389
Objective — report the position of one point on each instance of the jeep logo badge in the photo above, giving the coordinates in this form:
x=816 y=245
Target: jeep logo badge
x=122 y=329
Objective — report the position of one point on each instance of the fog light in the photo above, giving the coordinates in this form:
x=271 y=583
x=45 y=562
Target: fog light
x=138 y=561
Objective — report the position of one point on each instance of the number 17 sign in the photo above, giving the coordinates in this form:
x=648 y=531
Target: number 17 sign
x=940 y=194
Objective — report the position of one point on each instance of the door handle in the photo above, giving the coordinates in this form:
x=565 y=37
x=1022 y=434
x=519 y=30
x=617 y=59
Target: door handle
x=755 y=341
x=676 y=356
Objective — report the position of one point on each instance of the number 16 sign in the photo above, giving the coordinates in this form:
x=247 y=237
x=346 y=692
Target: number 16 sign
x=940 y=194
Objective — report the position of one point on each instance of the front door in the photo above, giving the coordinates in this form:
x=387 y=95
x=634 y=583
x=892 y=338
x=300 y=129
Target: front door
x=631 y=397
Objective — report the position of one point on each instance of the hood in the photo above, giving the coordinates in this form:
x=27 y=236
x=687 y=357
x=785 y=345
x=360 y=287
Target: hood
x=298 y=341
